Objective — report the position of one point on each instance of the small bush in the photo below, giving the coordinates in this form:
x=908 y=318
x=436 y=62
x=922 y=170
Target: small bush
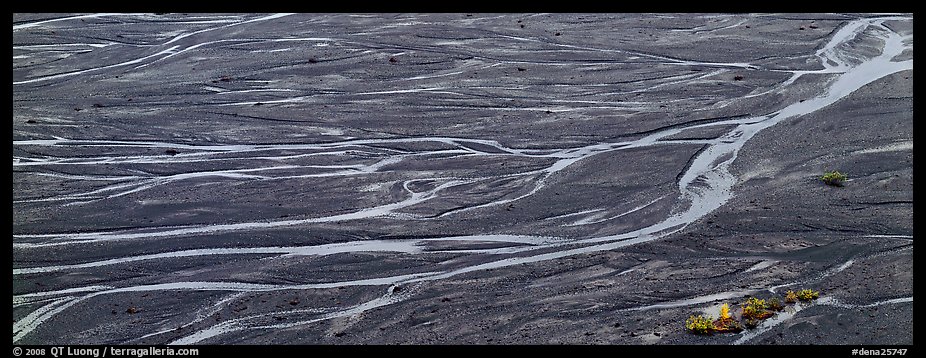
x=726 y=323
x=834 y=178
x=790 y=297
x=700 y=324
x=725 y=311
x=755 y=308
x=807 y=295
x=774 y=304
x=751 y=323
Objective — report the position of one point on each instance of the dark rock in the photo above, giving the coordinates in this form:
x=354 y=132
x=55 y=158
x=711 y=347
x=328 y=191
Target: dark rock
x=393 y=60
x=171 y=151
x=522 y=69
x=738 y=78
x=132 y=310
x=30 y=121
x=313 y=60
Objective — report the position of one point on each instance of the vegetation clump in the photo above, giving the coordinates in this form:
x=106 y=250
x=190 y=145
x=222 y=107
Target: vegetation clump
x=726 y=323
x=790 y=297
x=753 y=311
x=834 y=178
x=807 y=295
x=756 y=309
x=774 y=304
x=700 y=325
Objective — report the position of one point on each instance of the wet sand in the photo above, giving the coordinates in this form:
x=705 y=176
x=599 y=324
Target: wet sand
x=459 y=178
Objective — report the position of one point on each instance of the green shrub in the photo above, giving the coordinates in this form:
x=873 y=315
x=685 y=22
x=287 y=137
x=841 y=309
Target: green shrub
x=834 y=178
x=755 y=308
x=700 y=324
x=807 y=295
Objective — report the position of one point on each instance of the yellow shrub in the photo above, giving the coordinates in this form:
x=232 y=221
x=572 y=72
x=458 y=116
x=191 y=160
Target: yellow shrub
x=790 y=297
x=725 y=311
